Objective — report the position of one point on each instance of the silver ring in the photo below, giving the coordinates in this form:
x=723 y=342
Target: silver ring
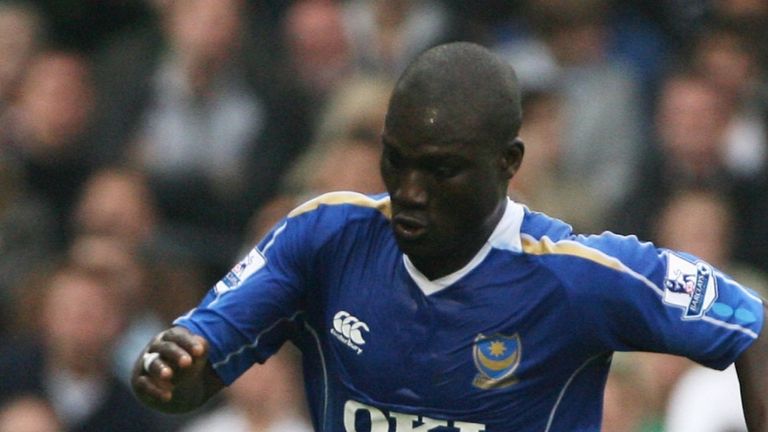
x=148 y=359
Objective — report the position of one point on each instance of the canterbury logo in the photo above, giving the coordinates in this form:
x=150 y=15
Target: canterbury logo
x=349 y=330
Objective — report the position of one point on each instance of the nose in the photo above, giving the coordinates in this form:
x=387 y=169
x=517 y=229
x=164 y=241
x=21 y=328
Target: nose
x=411 y=190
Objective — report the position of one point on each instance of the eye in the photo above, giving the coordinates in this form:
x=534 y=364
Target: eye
x=446 y=171
x=392 y=157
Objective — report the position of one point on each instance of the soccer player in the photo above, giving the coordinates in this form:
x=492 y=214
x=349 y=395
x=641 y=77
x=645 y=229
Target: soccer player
x=445 y=306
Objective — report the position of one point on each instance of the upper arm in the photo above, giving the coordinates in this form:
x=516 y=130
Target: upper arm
x=253 y=309
x=263 y=300
x=640 y=298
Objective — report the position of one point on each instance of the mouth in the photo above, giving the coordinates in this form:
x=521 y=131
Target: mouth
x=408 y=228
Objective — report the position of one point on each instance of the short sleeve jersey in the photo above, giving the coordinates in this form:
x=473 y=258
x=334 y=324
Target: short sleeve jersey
x=520 y=339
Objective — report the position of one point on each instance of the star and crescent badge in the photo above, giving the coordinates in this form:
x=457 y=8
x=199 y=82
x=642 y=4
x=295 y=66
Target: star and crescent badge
x=496 y=358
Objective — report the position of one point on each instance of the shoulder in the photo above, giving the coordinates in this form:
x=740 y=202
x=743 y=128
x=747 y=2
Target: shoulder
x=21 y=368
x=548 y=237
x=538 y=225
x=344 y=204
x=324 y=218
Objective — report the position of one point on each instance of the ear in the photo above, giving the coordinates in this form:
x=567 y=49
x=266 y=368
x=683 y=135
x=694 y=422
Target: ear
x=512 y=157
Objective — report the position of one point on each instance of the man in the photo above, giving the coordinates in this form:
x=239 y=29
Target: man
x=69 y=365
x=445 y=306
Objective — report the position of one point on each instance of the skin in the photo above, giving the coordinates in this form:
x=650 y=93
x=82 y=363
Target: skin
x=447 y=197
x=450 y=148
x=182 y=378
x=752 y=368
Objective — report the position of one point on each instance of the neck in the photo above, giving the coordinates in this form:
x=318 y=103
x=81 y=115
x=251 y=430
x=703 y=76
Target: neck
x=435 y=267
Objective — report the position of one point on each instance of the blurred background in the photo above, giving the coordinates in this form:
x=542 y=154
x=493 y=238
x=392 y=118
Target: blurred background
x=145 y=145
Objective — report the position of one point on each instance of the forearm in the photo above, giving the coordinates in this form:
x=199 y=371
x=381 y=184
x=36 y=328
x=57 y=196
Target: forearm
x=752 y=368
x=188 y=395
x=173 y=373
x=753 y=398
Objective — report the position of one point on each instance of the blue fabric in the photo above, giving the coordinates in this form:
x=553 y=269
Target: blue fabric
x=521 y=342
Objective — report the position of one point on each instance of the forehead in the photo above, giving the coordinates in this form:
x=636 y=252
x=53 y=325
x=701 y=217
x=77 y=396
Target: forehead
x=433 y=128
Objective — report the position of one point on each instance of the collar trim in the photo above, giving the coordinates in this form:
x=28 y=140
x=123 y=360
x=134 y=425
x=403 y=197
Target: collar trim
x=505 y=236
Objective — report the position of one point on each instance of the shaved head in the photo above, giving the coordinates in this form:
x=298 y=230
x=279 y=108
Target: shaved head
x=463 y=91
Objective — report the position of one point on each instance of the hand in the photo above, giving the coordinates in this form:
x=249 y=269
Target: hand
x=172 y=372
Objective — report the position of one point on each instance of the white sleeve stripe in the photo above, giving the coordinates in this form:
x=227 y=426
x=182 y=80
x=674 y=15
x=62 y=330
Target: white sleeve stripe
x=255 y=343
x=729 y=326
x=545 y=246
x=741 y=287
x=325 y=373
x=643 y=279
x=185 y=316
x=277 y=232
x=706 y=318
x=565 y=388
x=271 y=241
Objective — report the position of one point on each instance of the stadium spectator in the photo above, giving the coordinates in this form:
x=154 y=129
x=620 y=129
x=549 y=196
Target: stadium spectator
x=121 y=267
x=727 y=54
x=45 y=133
x=690 y=125
x=703 y=223
x=203 y=113
x=268 y=398
x=566 y=51
x=118 y=203
x=741 y=9
x=386 y=35
x=22 y=30
x=353 y=112
x=317 y=46
x=541 y=183
x=355 y=109
x=348 y=165
x=27 y=233
x=28 y=414
x=86 y=26
x=70 y=365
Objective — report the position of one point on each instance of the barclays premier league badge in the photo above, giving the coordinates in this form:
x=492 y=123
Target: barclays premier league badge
x=240 y=272
x=690 y=286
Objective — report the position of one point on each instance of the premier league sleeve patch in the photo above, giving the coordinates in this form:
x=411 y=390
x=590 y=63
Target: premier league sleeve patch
x=689 y=285
x=240 y=272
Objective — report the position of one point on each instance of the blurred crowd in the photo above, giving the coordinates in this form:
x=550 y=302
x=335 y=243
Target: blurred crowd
x=145 y=145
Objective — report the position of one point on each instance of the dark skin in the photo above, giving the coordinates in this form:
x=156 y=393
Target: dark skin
x=448 y=155
x=752 y=368
x=426 y=180
x=447 y=195
x=182 y=379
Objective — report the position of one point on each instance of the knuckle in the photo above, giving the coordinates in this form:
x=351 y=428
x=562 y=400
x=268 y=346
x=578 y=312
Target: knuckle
x=143 y=385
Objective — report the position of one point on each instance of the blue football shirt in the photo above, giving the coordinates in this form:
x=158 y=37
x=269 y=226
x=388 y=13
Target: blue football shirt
x=520 y=339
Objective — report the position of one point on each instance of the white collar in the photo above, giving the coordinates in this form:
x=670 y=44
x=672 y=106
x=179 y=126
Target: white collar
x=505 y=236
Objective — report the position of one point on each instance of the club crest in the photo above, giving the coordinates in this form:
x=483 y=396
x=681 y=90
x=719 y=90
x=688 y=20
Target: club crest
x=496 y=358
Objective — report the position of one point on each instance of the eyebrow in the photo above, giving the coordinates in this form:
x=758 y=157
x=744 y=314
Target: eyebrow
x=434 y=158
x=442 y=158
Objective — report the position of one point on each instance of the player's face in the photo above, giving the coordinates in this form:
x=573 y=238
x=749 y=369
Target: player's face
x=447 y=190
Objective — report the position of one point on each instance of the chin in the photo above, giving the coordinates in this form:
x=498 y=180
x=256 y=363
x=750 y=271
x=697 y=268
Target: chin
x=412 y=247
x=421 y=250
